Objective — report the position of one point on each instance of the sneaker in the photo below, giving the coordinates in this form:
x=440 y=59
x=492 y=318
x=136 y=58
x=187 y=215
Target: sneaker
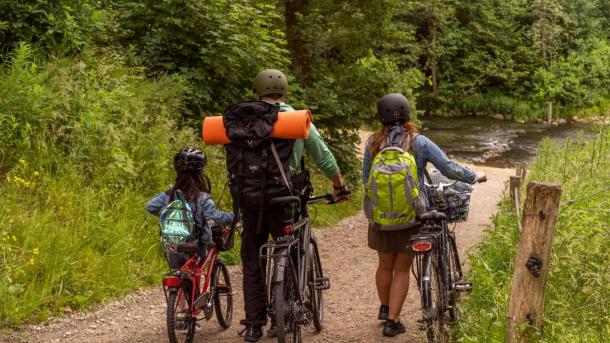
x=384 y=310
x=272 y=332
x=252 y=333
x=393 y=328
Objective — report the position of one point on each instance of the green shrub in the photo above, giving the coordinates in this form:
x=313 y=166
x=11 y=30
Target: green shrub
x=85 y=142
x=577 y=304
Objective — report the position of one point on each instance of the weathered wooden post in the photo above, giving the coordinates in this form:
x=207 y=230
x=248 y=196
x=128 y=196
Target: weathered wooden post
x=522 y=170
x=549 y=119
x=526 y=298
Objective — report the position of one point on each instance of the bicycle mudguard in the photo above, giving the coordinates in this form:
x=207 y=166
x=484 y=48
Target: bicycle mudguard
x=280 y=267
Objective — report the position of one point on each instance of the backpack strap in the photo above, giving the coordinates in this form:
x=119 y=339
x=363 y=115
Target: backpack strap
x=281 y=167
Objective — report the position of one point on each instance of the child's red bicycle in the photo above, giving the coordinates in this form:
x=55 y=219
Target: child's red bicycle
x=194 y=291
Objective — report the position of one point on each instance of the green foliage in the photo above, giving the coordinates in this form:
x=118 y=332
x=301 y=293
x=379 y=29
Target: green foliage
x=577 y=307
x=85 y=142
x=217 y=46
x=57 y=26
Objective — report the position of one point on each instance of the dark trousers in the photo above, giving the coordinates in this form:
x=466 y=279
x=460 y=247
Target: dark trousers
x=255 y=295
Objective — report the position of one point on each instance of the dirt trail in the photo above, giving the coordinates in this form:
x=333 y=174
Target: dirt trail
x=351 y=303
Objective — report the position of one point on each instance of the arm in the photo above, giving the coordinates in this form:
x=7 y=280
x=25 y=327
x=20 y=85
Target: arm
x=449 y=168
x=322 y=157
x=156 y=204
x=209 y=210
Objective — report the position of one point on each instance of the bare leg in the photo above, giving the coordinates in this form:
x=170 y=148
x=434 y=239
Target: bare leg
x=383 y=277
x=400 y=284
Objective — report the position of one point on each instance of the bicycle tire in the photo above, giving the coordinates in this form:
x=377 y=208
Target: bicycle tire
x=288 y=329
x=316 y=296
x=432 y=298
x=185 y=331
x=221 y=283
x=455 y=274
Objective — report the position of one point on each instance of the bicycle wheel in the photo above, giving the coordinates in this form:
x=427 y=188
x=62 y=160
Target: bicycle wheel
x=432 y=298
x=285 y=307
x=316 y=298
x=223 y=295
x=455 y=274
x=180 y=322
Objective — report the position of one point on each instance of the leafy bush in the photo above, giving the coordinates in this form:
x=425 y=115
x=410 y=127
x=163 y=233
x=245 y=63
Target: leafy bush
x=577 y=304
x=85 y=142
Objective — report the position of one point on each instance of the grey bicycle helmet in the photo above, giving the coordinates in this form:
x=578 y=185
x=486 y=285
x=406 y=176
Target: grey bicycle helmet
x=393 y=107
x=190 y=159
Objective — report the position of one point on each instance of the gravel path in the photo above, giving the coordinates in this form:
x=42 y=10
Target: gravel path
x=351 y=303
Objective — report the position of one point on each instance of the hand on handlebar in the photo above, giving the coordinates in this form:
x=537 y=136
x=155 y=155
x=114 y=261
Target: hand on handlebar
x=340 y=195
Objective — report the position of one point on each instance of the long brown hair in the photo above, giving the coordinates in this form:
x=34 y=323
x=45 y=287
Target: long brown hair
x=191 y=184
x=381 y=139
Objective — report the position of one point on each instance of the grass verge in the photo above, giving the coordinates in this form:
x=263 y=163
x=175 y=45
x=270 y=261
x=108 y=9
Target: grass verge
x=577 y=303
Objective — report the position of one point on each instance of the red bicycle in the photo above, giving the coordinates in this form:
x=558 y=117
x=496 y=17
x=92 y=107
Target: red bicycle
x=194 y=291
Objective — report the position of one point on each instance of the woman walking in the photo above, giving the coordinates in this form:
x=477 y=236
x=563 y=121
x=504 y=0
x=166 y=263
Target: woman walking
x=394 y=247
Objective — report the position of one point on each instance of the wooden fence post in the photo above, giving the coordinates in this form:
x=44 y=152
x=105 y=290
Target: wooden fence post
x=549 y=119
x=522 y=170
x=526 y=298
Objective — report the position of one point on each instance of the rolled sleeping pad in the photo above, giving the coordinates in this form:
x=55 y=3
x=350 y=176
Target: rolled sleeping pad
x=289 y=125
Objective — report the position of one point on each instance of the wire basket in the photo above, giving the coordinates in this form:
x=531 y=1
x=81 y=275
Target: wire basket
x=457 y=206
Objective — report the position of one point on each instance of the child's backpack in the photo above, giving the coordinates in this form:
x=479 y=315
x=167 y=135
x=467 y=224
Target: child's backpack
x=177 y=225
x=257 y=164
x=392 y=200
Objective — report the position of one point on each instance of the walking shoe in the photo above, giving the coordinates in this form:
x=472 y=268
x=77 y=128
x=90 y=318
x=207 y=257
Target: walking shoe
x=393 y=328
x=384 y=310
x=272 y=332
x=252 y=333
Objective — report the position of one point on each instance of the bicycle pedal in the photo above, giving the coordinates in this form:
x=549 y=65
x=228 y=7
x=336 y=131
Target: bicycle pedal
x=463 y=287
x=321 y=284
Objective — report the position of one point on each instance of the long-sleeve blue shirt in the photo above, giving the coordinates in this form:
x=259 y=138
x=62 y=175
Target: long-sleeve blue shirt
x=424 y=151
x=203 y=208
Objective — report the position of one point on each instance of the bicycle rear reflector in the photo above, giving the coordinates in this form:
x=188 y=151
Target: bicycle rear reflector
x=288 y=229
x=421 y=246
x=171 y=282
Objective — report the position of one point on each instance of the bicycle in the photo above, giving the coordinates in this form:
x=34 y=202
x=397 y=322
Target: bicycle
x=294 y=275
x=195 y=291
x=437 y=268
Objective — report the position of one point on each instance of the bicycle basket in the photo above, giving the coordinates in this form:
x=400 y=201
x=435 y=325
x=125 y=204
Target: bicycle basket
x=457 y=205
x=454 y=200
x=223 y=237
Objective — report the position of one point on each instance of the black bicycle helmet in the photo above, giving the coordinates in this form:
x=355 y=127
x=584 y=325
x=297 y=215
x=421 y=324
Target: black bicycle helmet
x=393 y=107
x=190 y=159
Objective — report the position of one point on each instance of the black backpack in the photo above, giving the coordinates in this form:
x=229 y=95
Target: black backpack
x=257 y=164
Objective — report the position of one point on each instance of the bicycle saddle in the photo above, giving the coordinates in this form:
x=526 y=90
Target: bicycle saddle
x=285 y=200
x=187 y=247
x=432 y=215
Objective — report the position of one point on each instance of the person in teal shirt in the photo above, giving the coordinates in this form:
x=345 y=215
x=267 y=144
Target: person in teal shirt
x=271 y=86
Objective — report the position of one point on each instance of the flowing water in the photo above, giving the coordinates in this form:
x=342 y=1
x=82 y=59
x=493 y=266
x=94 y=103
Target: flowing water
x=494 y=142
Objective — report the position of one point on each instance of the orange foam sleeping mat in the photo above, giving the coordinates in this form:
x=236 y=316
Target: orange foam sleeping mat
x=289 y=125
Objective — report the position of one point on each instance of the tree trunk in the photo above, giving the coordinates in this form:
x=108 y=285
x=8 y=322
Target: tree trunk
x=296 y=42
x=433 y=63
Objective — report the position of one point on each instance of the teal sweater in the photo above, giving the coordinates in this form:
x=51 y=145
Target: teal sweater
x=316 y=149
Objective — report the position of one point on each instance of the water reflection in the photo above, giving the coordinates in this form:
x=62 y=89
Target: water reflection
x=496 y=143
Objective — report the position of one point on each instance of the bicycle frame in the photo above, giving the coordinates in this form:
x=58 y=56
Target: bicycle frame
x=193 y=272
x=280 y=251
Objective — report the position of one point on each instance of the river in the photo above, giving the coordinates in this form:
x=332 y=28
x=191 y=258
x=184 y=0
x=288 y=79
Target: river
x=497 y=143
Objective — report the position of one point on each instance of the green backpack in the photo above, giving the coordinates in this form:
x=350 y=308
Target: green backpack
x=392 y=200
x=176 y=222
